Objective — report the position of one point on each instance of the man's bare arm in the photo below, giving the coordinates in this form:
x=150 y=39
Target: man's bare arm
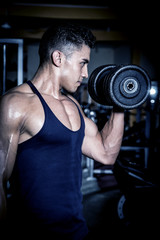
x=9 y=135
x=104 y=146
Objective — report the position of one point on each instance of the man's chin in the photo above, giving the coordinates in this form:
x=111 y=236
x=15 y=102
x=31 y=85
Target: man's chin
x=69 y=91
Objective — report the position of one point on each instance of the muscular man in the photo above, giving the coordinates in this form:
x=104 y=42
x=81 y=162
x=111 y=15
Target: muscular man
x=43 y=133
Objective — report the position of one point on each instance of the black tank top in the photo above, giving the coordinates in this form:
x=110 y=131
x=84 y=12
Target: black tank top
x=47 y=177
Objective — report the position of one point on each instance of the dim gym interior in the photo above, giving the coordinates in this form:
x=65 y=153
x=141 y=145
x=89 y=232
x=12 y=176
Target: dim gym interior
x=123 y=199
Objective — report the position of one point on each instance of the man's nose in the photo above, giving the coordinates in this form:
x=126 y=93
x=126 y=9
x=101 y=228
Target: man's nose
x=85 y=72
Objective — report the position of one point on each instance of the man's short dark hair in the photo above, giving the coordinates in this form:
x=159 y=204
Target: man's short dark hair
x=63 y=37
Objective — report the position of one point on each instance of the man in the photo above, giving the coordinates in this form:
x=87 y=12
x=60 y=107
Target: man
x=43 y=133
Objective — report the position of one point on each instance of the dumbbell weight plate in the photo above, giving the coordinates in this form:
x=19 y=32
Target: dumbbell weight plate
x=123 y=86
x=95 y=83
x=129 y=87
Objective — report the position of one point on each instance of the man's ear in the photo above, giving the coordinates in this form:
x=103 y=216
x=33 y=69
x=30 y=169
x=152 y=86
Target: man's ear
x=56 y=58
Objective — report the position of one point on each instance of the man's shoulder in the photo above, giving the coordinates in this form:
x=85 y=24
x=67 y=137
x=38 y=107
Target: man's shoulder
x=16 y=97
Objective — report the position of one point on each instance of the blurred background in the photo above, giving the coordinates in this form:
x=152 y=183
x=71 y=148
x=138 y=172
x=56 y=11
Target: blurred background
x=121 y=199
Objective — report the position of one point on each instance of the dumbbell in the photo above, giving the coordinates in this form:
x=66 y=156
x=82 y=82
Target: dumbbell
x=124 y=86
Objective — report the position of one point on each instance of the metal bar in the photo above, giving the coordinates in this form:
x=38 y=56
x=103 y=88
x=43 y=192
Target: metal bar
x=20 y=63
x=13 y=40
x=4 y=69
x=90 y=169
x=103 y=171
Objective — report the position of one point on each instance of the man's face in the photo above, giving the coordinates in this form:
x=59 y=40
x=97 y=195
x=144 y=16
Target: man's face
x=75 y=68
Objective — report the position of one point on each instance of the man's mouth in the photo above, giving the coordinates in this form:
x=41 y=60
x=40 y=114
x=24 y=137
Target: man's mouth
x=79 y=82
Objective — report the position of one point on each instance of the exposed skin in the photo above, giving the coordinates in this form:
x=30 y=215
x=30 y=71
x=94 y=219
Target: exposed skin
x=22 y=114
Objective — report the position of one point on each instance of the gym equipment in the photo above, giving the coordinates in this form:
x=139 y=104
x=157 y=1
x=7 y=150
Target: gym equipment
x=124 y=86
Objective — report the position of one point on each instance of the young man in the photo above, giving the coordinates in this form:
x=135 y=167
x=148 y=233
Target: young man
x=43 y=134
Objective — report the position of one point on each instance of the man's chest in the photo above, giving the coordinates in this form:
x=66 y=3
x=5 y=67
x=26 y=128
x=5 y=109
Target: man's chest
x=65 y=111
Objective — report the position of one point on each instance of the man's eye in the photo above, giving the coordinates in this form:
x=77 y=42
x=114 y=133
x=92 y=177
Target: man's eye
x=83 y=63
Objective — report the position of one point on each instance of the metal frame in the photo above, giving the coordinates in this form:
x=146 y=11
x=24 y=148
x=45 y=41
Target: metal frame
x=19 y=42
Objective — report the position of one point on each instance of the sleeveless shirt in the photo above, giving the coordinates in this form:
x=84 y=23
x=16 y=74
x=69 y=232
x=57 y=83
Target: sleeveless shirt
x=47 y=177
